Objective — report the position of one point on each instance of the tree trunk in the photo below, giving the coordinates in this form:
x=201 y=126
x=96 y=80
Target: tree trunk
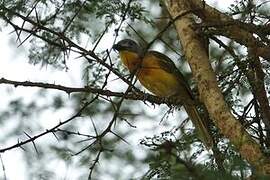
x=197 y=56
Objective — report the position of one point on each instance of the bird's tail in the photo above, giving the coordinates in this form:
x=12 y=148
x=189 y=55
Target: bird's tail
x=200 y=126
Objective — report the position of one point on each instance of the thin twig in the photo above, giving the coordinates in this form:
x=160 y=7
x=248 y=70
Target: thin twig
x=3 y=167
x=32 y=139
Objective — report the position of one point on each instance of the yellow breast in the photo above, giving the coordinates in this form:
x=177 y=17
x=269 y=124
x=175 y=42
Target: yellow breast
x=150 y=74
x=158 y=81
x=130 y=59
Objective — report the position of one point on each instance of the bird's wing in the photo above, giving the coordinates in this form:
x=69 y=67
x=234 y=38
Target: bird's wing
x=168 y=65
x=164 y=61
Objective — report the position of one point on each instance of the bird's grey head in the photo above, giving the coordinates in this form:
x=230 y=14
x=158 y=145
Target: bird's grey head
x=127 y=45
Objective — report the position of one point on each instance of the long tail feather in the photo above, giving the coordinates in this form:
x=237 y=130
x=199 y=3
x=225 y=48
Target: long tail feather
x=199 y=125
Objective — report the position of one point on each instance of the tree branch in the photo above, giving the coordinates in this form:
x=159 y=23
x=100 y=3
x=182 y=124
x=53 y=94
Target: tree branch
x=256 y=79
x=239 y=31
x=52 y=130
x=138 y=95
x=210 y=93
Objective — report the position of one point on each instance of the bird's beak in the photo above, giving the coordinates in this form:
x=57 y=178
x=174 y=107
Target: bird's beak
x=116 y=47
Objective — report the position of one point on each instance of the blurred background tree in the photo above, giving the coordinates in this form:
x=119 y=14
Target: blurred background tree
x=109 y=128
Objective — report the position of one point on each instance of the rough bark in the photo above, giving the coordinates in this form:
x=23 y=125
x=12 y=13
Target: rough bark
x=231 y=28
x=197 y=56
x=244 y=34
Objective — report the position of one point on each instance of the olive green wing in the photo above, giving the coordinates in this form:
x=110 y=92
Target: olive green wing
x=168 y=65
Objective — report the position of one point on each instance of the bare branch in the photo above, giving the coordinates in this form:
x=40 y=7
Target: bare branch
x=227 y=26
x=32 y=139
x=3 y=167
x=131 y=95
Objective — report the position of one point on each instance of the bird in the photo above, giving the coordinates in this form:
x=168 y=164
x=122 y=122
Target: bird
x=158 y=74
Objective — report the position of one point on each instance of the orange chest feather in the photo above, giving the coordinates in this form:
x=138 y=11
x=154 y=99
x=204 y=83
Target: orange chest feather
x=130 y=59
x=158 y=81
x=151 y=75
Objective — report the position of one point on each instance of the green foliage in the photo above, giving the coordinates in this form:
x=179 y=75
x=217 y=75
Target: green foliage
x=89 y=18
x=176 y=153
x=170 y=159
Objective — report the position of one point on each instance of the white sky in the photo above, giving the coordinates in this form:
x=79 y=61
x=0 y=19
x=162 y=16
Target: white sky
x=14 y=66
